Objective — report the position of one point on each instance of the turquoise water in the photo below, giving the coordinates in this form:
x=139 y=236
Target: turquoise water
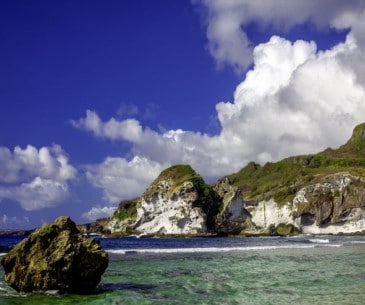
x=329 y=270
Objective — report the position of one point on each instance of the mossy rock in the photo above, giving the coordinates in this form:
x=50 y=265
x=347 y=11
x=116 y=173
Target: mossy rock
x=286 y=230
x=55 y=257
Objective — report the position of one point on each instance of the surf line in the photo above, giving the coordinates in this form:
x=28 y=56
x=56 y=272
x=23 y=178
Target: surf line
x=209 y=249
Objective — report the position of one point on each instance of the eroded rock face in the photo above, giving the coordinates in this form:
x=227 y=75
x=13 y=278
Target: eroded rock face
x=330 y=202
x=333 y=206
x=171 y=212
x=55 y=257
x=178 y=202
x=322 y=193
x=267 y=215
x=232 y=216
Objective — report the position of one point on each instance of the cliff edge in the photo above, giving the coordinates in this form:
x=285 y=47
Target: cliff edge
x=320 y=193
x=178 y=202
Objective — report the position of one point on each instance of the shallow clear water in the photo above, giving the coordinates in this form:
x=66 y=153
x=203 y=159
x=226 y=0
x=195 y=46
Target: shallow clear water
x=303 y=270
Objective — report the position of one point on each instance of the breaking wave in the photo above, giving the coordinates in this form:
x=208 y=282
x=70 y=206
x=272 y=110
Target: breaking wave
x=319 y=241
x=208 y=249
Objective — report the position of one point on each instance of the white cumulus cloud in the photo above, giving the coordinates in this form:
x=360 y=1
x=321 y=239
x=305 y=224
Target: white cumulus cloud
x=36 y=178
x=128 y=129
x=294 y=100
x=226 y=20
x=98 y=212
x=122 y=179
x=22 y=164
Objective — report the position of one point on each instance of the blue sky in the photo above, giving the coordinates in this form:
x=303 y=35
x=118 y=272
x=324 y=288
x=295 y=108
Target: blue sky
x=97 y=97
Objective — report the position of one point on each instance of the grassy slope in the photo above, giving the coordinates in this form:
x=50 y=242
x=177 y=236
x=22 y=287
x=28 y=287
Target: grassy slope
x=281 y=180
x=178 y=174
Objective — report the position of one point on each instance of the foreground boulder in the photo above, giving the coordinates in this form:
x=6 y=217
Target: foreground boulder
x=55 y=257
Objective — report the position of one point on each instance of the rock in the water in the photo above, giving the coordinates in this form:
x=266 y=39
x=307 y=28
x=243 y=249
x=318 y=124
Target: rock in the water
x=55 y=257
x=178 y=203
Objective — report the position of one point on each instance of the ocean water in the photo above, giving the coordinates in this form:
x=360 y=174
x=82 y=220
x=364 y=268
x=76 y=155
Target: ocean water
x=298 y=270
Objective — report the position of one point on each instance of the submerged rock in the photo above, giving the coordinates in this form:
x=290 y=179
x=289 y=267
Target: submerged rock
x=55 y=257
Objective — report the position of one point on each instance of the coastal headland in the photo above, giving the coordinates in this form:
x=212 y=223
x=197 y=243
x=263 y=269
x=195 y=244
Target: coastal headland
x=322 y=193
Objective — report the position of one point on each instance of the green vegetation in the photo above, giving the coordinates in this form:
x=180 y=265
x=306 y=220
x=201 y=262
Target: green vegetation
x=281 y=180
x=204 y=190
x=179 y=174
x=127 y=210
x=45 y=230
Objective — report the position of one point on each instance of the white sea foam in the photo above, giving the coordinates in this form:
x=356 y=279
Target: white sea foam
x=51 y=292
x=319 y=241
x=6 y=291
x=358 y=242
x=332 y=245
x=207 y=250
x=2 y=254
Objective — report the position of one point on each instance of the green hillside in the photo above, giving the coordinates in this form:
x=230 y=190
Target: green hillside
x=281 y=180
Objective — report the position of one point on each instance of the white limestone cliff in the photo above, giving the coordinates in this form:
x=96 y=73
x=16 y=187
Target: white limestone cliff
x=172 y=205
x=340 y=210
x=171 y=214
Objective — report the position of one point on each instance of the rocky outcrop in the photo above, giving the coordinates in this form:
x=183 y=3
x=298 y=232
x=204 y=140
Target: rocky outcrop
x=178 y=202
x=173 y=212
x=337 y=205
x=322 y=193
x=266 y=216
x=95 y=227
x=55 y=257
x=15 y=232
x=232 y=217
x=333 y=206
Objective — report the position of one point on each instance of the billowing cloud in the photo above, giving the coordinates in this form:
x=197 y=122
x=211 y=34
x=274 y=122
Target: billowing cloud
x=122 y=179
x=22 y=164
x=229 y=43
x=295 y=100
x=35 y=178
x=98 y=212
x=129 y=129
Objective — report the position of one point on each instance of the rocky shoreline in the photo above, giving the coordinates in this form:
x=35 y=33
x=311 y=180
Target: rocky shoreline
x=15 y=232
x=318 y=194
